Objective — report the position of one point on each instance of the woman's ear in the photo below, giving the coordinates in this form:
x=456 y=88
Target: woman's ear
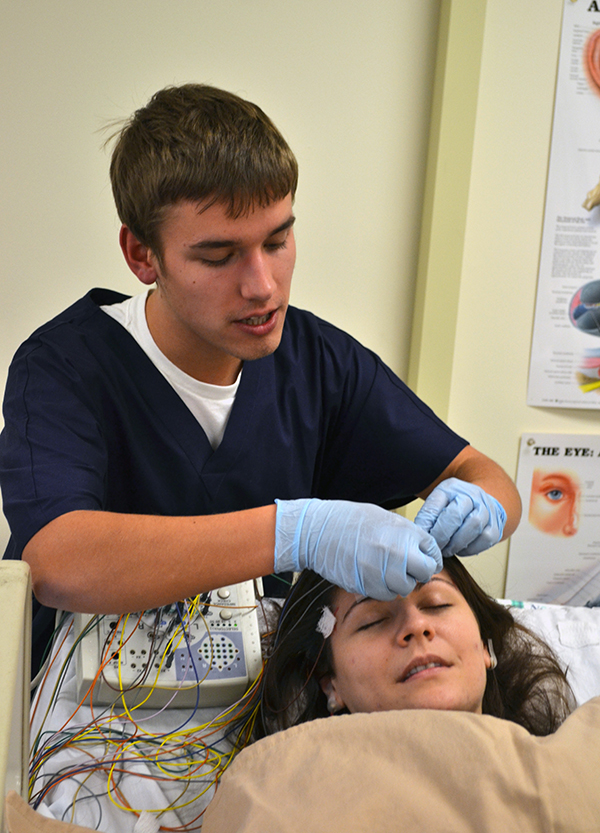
x=140 y=259
x=334 y=701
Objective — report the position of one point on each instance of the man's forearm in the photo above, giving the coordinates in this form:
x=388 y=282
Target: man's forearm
x=105 y=562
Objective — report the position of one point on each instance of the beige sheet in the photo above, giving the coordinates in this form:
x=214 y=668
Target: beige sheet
x=421 y=771
x=418 y=771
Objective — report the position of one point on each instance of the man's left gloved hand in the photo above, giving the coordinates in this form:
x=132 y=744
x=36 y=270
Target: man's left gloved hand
x=463 y=519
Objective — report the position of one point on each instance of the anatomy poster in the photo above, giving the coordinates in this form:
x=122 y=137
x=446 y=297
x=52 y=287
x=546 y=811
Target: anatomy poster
x=554 y=555
x=565 y=354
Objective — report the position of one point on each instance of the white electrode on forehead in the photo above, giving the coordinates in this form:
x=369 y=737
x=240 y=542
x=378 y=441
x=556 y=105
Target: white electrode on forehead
x=326 y=623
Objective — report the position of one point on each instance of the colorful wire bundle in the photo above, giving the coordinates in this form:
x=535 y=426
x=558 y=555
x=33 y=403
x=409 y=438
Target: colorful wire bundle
x=117 y=743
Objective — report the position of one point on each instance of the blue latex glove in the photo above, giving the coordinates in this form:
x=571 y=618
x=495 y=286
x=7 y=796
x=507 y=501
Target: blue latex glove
x=462 y=518
x=357 y=546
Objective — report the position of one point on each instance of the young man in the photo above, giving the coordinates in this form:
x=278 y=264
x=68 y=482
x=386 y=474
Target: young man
x=205 y=433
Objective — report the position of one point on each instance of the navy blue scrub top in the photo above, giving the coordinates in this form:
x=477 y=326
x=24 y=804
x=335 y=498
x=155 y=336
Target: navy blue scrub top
x=90 y=423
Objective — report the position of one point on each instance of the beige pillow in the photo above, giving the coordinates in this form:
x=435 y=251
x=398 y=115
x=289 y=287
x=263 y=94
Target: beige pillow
x=422 y=771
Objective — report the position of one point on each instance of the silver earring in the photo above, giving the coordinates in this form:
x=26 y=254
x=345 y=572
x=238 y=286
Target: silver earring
x=332 y=704
x=492 y=653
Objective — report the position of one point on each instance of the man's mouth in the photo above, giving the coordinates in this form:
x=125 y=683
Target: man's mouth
x=261 y=325
x=256 y=320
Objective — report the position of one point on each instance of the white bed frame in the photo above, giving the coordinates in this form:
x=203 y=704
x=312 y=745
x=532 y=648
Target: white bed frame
x=15 y=663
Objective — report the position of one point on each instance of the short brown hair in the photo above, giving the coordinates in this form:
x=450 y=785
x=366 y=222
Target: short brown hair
x=196 y=142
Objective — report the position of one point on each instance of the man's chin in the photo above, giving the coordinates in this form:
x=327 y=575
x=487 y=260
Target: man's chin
x=259 y=351
x=252 y=349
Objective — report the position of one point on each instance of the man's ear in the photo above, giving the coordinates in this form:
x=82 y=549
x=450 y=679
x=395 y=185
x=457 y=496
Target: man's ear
x=140 y=259
x=334 y=701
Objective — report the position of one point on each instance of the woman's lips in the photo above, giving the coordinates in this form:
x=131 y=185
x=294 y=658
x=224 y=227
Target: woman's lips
x=420 y=664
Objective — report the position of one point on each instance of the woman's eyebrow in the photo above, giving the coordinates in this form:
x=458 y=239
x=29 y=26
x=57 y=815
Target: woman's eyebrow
x=356 y=603
x=420 y=585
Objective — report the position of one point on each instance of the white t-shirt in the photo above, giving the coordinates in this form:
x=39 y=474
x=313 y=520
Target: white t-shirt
x=210 y=404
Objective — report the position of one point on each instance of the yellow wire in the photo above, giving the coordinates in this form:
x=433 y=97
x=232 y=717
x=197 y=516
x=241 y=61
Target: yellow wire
x=201 y=761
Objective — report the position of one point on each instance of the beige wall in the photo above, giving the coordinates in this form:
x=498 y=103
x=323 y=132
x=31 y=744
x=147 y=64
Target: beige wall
x=348 y=83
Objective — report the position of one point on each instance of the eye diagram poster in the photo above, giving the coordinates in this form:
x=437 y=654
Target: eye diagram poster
x=554 y=555
x=565 y=354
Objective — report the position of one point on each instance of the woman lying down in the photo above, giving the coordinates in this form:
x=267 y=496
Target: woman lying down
x=449 y=715
x=448 y=645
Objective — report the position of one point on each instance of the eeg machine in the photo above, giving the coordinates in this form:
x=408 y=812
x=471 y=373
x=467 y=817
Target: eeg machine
x=201 y=652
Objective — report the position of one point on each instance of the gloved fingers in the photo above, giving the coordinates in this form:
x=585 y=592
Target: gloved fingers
x=452 y=518
x=421 y=551
x=431 y=509
x=471 y=530
x=422 y=567
x=421 y=559
x=375 y=588
x=432 y=557
x=402 y=579
x=398 y=583
x=481 y=529
x=391 y=557
x=489 y=536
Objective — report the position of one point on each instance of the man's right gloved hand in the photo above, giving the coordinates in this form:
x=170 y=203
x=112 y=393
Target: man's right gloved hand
x=358 y=546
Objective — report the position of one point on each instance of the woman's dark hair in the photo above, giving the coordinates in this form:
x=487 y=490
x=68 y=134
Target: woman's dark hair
x=528 y=685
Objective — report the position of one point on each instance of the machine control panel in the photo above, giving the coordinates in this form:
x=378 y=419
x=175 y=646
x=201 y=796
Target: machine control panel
x=204 y=651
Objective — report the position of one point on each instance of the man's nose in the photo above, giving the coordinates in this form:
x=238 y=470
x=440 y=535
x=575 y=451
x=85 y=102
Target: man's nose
x=257 y=281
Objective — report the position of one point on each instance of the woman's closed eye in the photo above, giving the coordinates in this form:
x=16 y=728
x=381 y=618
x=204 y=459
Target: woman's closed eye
x=366 y=625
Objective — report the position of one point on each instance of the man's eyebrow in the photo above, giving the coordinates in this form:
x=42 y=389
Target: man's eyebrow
x=224 y=244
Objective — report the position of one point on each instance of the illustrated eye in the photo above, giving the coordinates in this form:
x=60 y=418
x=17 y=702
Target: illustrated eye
x=554 y=494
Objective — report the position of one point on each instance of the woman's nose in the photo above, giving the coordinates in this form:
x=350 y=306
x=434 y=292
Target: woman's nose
x=416 y=625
